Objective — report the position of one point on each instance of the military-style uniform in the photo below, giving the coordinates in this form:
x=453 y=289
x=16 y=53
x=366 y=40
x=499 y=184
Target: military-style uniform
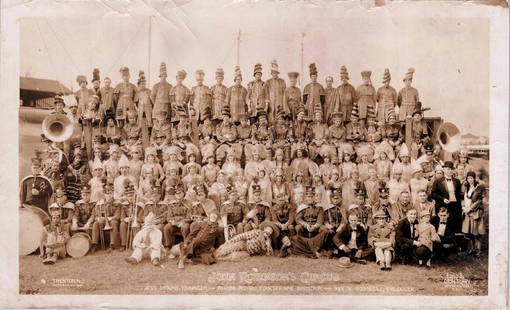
x=263 y=214
x=406 y=100
x=234 y=213
x=101 y=212
x=366 y=101
x=236 y=100
x=219 y=100
x=82 y=96
x=177 y=220
x=200 y=101
x=160 y=96
x=387 y=100
x=313 y=95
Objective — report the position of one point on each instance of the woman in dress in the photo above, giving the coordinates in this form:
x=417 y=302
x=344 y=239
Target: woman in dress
x=210 y=171
x=473 y=210
x=383 y=165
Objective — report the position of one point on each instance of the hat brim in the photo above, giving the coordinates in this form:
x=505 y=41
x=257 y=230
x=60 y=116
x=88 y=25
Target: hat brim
x=345 y=267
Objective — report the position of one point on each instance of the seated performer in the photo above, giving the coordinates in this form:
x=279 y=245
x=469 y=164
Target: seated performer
x=53 y=241
x=310 y=231
x=351 y=241
x=199 y=244
x=177 y=222
x=334 y=216
x=147 y=241
x=259 y=210
x=426 y=235
x=253 y=242
x=281 y=222
x=233 y=210
x=381 y=236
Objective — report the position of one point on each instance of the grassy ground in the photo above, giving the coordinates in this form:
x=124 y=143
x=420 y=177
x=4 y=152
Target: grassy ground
x=103 y=273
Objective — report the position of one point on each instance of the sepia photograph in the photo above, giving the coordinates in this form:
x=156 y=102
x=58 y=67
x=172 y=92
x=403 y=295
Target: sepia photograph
x=256 y=148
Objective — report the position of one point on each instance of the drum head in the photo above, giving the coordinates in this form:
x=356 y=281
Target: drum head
x=31 y=228
x=78 y=245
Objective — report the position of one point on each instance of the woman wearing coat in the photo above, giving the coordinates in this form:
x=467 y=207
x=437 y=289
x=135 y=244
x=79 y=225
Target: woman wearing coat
x=473 y=213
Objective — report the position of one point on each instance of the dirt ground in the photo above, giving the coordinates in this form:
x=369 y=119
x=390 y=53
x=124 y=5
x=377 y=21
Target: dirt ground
x=103 y=273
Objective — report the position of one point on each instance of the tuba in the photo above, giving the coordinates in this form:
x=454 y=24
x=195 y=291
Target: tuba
x=57 y=127
x=448 y=137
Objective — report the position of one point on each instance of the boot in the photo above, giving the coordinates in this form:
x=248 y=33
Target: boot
x=131 y=260
x=156 y=262
x=92 y=249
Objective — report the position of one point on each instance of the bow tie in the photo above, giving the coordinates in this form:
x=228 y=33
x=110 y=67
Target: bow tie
x=354 y=229
x=448 y=180
x=443 y=223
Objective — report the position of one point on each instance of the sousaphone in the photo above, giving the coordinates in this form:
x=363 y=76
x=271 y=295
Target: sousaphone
x=57 y=127
x=449 y=138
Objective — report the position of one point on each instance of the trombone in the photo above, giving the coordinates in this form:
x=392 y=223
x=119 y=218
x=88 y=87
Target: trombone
x=133 y=212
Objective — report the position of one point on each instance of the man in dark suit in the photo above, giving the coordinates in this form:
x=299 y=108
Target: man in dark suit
x=351 y=241
x=447 y=193
x=405 y=237
x=445 y=231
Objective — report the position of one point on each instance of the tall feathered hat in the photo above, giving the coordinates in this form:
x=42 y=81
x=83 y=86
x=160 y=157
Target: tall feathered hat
x=313 y=69
x=220 y=72
x=409 y=74
x=141 y=77
x=95 y=75
x=257 y=69
x=80 y=79
x=386 y=76
x=343 y=73
x=274 y=66
x=237 y=73
x=162 y=70
x=355 y=113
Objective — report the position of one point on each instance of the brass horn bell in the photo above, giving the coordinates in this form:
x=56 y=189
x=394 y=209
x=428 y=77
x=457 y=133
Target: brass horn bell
x=449 y=138
x=57 y=127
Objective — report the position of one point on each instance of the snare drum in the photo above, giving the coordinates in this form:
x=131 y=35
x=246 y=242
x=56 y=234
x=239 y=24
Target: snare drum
x=78 y=245
x=31 y=228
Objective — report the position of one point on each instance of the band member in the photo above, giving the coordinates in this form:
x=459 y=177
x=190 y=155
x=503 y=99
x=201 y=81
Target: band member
x=276 y=88
x=259 y=210
x=53 y=240
x=177 y=220
x=160 y=94
x=310 y=231
x=124 y=96
x=381 y=236
x=124 y=179
x=83 y=94
x=145 y=113
x=200 y=98
x=360 y=207
x=199 y=244
x=36 y=189
x=237 y=99
x=292 y=96
x=103 y=213
x=345 y=96
x=313 y=94
x=131 y=215
x=334 y=216
x=219 y=95
x=147 y=241
x=317 y=134
x=107 y=98
x=179 y=97
x=351 y=241
x=82 y=217
x=386 y=98
x=407 y=97
x=233 y=210
x=258 y=94
x=200 y=206
x=283 y=214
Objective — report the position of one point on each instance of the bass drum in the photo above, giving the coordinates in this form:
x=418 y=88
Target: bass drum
x=31 y=228
x=78 y=245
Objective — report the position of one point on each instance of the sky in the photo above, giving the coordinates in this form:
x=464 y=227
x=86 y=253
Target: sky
x=450 y=55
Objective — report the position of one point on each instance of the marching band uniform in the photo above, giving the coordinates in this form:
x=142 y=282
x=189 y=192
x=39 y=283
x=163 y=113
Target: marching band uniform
x=200 y=98
x=36 y=189
x=334 y=213
x=177 y=220
x=258 y=93
x=160 y=94
x=276 y=88
x=313 y=94
x=107 y=98
x=237 y=98
x=346 y=95
x=179 y=97
x=386 y=98
x=292 y=96
x=124 y=95
x=407 y=97
x=83 y=211
x=65 y=208
x=145 y=111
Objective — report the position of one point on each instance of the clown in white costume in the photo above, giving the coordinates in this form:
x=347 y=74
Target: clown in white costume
x=123 y=180
x=147 y=241
x=404 y=163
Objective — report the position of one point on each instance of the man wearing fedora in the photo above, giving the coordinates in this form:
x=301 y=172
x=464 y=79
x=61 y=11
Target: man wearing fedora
x=351 y=241
x=447 y=193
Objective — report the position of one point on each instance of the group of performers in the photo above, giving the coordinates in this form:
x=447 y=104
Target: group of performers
x=226 y=172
